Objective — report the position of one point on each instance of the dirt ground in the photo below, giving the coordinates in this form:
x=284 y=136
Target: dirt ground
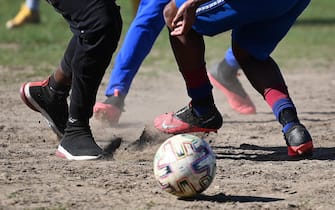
x=253 y=171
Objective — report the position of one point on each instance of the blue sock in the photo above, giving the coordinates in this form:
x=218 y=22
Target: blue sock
x=202 y=99
x=285 y=113
x=231 y=60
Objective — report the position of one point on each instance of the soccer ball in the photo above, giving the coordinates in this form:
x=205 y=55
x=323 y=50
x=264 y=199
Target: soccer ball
x=184 y=165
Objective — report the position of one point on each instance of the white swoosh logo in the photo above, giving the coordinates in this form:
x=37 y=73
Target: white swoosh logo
x=165 y=126
x=72 y=120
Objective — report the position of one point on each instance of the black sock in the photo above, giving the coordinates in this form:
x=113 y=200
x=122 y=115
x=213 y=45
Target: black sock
x=288 y=117
x=203 y=106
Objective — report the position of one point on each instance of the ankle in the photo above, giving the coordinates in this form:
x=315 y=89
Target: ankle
x=78 y=142
x=77 y=128
x=77 y=123
x=117 y=101
x=203 y=106
x=58 y=87
x=288 y=118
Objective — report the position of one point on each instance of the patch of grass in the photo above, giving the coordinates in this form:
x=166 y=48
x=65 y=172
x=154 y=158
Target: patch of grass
x=38 y=46
x=311 y=38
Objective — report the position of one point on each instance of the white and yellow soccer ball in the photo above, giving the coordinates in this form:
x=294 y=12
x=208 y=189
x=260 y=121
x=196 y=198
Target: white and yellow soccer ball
x=184 y=165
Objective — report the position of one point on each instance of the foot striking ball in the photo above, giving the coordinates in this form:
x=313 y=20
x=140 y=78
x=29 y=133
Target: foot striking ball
x=184 y=165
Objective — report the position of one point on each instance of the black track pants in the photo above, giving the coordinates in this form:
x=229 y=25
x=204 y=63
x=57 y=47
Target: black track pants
x=96 y=26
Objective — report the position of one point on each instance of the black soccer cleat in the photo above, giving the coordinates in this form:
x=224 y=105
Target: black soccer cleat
x=299 y=141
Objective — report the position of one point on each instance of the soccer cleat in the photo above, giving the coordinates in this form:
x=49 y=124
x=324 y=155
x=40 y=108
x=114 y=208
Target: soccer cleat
x=78 y=144
x=107 y=113
x=25 y=15
x=225 y=79
x=110 y=110
x=299 y=141
x=53 y=106
x=186 y=121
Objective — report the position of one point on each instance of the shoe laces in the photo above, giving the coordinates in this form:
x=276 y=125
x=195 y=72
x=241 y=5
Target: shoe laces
x=188 y=114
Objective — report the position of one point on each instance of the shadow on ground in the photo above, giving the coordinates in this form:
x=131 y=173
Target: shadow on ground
x=259 y=153
x=222 y=198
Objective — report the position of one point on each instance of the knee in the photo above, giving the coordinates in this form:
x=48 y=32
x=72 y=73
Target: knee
x=169 y=12
x=244 y=58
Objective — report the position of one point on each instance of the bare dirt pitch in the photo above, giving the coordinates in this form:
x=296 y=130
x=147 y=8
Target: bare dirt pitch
x=253 y=169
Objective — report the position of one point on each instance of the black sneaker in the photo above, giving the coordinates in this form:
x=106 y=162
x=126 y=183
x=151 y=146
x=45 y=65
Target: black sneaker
x=110 y=110
x=299 y=141
x=186 y=121
x=52 y=105
x=78 y=143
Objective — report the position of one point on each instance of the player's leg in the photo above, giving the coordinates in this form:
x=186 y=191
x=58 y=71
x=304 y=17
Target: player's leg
x=270 y=83
x=224 y=77
x=265 y=24
x=137 y=44
x=189 y=53
x=96 y=40
x=82 y=68
x=201 y=115
x=265 y=76
x=29 y=13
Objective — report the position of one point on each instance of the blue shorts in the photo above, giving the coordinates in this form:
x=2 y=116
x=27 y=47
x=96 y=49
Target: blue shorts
x=257 y=26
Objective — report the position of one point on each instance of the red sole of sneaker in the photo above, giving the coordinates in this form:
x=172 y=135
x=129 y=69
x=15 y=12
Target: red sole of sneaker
x=189 y=130
x=25 y=99
x=60 y=155
x=301 y=150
